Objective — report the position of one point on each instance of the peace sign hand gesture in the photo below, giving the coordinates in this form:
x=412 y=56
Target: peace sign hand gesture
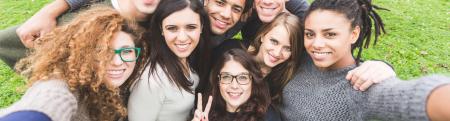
x=200 y=114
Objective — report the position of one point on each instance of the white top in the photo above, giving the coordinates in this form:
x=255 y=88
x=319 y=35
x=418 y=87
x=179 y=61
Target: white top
x=155 y=98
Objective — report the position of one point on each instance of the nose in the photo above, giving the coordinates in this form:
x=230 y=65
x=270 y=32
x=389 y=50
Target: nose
x=182 y=36
x=234 y=83
x=226 y=13
x=318 y=43
x=277 y=51
x=116 y=60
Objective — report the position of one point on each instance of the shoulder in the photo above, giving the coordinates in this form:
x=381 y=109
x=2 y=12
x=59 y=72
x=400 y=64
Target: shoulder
x=51 y=97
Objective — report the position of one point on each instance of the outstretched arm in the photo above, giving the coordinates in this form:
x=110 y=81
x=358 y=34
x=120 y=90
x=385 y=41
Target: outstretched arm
x=41 y=23
x=438 y=104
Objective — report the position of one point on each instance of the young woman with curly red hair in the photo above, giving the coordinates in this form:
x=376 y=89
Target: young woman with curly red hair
x=82 y=71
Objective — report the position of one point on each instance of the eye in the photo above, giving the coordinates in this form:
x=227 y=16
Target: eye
x=191 y=27
x=237 y=9
x=172 y=28
x=309 y=35
x=273 y=41
x=330 y=35
x=225 y=77
x=127 y=51
x=220 y=3
x=287 y=49
x=243 y=77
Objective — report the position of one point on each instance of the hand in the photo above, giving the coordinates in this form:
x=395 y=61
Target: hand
x=199 y=114
x=35 y=27
x=368 y=73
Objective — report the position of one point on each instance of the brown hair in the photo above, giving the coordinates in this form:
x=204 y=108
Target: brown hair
x=79 y=53
x=283 y=72
x=255 y=108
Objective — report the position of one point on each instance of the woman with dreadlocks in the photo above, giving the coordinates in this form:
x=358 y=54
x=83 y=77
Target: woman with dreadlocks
x=319 y=91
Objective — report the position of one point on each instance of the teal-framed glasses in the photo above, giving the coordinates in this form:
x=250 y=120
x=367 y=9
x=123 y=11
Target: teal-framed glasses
x=129 y=54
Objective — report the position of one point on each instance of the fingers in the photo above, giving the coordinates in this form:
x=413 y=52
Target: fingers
x=365 y=85
x=208 y=106
x=27 y=38
x=197 y=115
x=199 y=102
x=356 y=74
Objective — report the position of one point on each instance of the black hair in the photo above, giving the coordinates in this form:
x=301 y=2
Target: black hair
x=361 y=13
x=161 y=55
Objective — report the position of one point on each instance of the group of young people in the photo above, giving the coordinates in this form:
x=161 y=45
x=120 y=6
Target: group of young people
x=143 y=60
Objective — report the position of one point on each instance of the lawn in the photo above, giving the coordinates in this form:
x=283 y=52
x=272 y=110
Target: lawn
x=417 y=42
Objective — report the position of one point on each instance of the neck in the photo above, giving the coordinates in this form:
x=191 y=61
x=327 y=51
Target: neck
x=128 y=9
x=231 y=109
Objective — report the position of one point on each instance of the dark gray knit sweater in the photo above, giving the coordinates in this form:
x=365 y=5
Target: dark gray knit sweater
x=316 y=95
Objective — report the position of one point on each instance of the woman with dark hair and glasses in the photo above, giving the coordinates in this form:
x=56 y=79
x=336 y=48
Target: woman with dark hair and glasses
x=238 y=90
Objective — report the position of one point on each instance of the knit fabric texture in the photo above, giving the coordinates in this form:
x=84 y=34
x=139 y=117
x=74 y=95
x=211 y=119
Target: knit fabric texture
x=315 y=95
x=51 y=97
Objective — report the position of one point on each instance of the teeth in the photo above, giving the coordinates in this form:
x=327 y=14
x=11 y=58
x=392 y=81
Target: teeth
x=182 y=46
x=220 y=22
x=234 y=93
x=115 y=71
x=322 y=53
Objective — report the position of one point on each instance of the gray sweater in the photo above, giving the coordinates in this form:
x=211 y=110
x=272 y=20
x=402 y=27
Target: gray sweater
x=327 y=95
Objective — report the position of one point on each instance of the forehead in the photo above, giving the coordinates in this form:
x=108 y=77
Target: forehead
x=279 y=32
x=122 y=39
x=240 y=3
x=233 y=67
x=324 y=19
x=184 y=16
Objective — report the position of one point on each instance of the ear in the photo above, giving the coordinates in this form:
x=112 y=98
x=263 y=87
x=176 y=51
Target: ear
x=355 y=34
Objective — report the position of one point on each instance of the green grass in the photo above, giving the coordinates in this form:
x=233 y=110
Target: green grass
x=14 y=12
x=417 y=42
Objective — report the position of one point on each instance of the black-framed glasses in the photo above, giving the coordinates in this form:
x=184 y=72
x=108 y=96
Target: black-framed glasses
x=129 y=54
x=242 y=79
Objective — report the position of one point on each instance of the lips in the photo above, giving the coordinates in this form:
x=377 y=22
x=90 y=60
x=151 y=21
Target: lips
x=234 y=95
x=116 y=73
x=266 y=11
x=272 y=58
x=319 y=55
x=182 y=47
x=148 y=2
x=219 y=23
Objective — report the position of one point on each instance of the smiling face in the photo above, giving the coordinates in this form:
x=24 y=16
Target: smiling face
x=267 y=10
x=234 y=93
x=146 y=6
x=328 y=39
x=118 y=71
x=223 y=14
x=275 y=47
x=181 y=31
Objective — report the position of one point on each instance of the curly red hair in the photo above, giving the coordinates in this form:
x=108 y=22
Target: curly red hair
x=79 y=53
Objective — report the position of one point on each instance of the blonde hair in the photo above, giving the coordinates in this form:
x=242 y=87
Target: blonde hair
x=79 y=53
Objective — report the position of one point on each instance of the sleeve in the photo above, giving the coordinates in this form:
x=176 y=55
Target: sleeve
x=76 y=4
x=394 y=99
x=146 y=98
x=297 y=7
x=26 y=116
x=53 y=98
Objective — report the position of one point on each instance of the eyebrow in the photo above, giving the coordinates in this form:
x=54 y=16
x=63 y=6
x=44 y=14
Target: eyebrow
x=327 y=29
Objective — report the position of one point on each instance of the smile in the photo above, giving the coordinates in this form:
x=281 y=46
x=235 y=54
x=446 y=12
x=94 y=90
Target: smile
x=234 y=95
x=219 y=23
x=182 y=47
x=116 y=73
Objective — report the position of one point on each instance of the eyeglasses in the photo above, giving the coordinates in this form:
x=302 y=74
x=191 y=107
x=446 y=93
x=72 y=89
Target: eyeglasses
x=242 y=79
x=128 y=54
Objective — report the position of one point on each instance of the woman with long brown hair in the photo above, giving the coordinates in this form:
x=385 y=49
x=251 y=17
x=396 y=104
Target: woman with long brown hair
x=82 y=71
